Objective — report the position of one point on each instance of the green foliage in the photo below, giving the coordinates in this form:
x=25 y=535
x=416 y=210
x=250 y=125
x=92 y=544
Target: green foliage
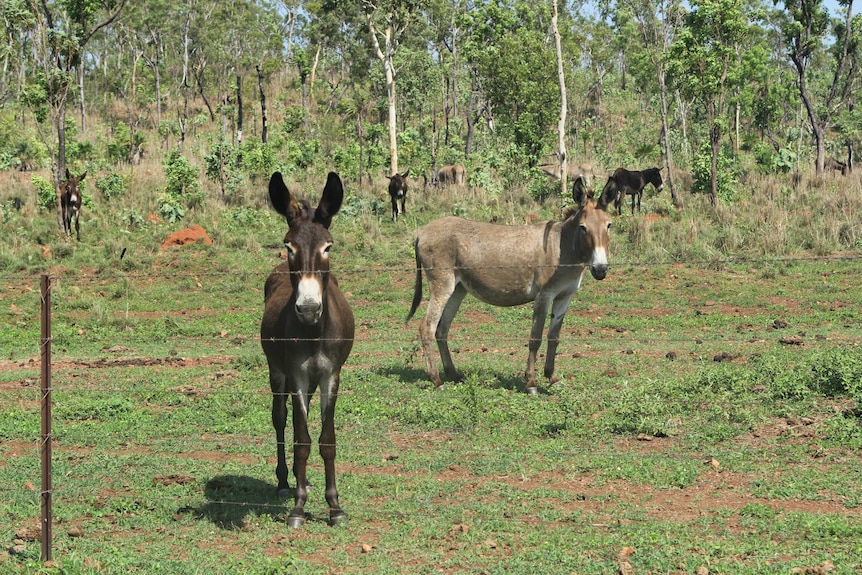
x=182 y=187
x=258 y=159
x=112 y=185
x=124 y=144
x=771 y=162
x=46 y=194
x=725 y=174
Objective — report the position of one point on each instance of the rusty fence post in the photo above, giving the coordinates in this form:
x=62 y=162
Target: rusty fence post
x=47 y=489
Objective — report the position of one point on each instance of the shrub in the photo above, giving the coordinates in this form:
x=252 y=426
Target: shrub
x=46 y=195
x=111 y=185
x=727 y=179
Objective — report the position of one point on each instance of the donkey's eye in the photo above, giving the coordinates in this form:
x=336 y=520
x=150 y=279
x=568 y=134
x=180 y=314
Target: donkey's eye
x=609 y=226
x=583 y=228
x=324 y=251
x=291 y=249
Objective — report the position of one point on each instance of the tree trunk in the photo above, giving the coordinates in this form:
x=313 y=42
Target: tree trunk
x=389 y=69
x=665 y=128
x=715 y=146
x=263 y=129
x=561 y=125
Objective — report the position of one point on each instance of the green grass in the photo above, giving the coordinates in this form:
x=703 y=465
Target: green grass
x=708 y=413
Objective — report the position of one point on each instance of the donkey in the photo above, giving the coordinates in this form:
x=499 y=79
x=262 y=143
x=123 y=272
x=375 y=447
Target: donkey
x=70 y=203
x=837 y=165
x=632 y=183
x=452 y=174
x=306 y=333
x=507 y=266
x=580 y=170
x=398 y=192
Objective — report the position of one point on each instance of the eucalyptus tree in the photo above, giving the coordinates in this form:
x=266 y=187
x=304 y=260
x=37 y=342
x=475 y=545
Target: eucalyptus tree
x=703 y=63
x=807 y=33
x=18 y=22
x=511 y=50
x=63 y=30
x=657 y=24
x=388 y=21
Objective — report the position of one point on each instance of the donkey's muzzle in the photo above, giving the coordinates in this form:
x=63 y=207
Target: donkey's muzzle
x=599 y=271
x=309 y=313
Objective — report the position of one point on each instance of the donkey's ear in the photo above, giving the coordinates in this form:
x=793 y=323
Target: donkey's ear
x=68 y=175
x=282 y=200
x=405 y=174
x=609 y=194
x=579 y=191
x=82 y=176
x=330 y=203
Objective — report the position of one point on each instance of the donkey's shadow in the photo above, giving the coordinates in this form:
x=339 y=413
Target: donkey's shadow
x=232 y=499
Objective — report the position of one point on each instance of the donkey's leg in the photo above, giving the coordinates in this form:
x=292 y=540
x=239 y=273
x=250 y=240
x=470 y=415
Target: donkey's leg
x=301 y=451
x=403 y=209
x=558 y=312
x=441 y=290
x=442 y=333
x=540 y=311
x=326 y=443
x=77 y=226
x=279 y=420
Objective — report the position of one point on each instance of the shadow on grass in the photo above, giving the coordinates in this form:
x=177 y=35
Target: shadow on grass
x=234 y=498
x=491 y=379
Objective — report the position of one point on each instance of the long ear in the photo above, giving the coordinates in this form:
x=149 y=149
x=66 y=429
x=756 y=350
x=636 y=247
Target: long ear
x=579 y=192
x=282 y=200
x=68 y=175
x=405 y=174
x=82 y=176
x=609 y=194
x=330 y=203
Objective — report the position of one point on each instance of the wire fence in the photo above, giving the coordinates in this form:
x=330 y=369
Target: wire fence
x=86 y=325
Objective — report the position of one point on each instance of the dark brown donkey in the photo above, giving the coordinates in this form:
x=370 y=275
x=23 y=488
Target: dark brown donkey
x=506 y=266
x=398 y=192
x=70 y=203
x=306 y=333
x=632 y=183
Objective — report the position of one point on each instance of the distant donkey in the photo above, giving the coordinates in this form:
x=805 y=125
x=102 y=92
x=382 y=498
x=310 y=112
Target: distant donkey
x=398 y=193
x=453 y=174
x=307 y=333
x=70 y=203
x=837 y=165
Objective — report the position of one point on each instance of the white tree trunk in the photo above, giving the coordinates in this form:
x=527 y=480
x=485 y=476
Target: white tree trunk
x=561 y=126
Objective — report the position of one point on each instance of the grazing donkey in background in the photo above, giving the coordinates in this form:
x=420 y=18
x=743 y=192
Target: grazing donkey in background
x=507 y=266
x=70 y=203
x=632 y=183
x=452 y=174
x=306 y=333
x=398 y=192
x=574 y=171
x=837 y=165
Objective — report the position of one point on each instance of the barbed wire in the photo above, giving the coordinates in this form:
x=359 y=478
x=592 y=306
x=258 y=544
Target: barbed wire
x=411 y=269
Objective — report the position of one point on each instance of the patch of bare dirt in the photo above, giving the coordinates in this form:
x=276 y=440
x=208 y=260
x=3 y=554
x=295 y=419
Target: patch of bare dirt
x=186 y=236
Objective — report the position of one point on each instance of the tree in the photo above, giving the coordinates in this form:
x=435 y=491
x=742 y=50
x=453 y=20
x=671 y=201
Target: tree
x=63 y=30
x=561 y=125
x=805 y=33
x=703 y=64
x=387 y=22
x=657 y=22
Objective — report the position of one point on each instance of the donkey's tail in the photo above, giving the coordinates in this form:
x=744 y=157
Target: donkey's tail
x=417 y=288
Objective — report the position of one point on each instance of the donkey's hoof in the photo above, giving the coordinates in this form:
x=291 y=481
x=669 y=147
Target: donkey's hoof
x=338 y=519
x=531 y=390
x=296 y=521
x=284 y=492
x=440 y=387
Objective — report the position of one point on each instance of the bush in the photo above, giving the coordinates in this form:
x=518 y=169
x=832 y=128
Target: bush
x=111 y=185
x=46 y=195
x=726 y=176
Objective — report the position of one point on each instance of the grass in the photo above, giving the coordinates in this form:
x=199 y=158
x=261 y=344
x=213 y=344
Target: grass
x=708 y=413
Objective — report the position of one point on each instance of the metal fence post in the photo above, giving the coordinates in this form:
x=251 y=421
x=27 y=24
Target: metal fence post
x=47 y=489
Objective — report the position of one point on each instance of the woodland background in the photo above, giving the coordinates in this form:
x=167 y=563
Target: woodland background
x=223 y=93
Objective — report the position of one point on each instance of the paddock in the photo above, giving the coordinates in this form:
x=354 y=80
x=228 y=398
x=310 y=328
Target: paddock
x=666 y=419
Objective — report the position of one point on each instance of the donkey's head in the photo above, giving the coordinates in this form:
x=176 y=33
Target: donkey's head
x=654 y=178
x=69 y=189
x=308 y=242
x=593 y=225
